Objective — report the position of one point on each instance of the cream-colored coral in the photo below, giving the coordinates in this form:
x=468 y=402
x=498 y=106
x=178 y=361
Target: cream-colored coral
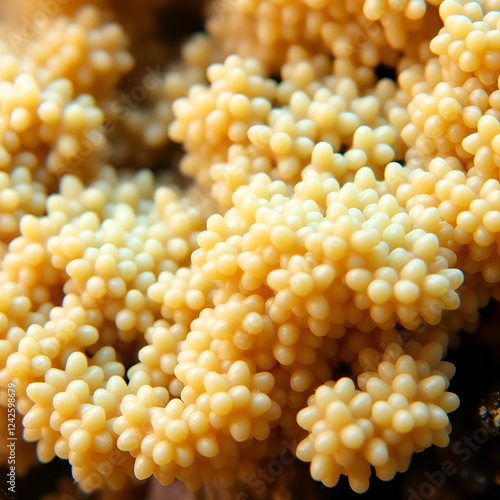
x=325 y=223
x=399 y=409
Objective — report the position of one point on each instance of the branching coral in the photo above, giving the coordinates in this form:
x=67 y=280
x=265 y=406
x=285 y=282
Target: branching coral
x=297 y=272
x=401 y=408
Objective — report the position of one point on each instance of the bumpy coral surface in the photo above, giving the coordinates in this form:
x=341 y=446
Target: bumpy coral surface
x=268 y=231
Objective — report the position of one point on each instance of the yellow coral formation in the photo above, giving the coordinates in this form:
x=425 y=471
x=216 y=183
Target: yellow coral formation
x=158 y=325
x=400 y=408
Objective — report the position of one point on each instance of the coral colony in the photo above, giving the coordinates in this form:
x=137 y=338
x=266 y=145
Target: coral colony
x=242 y=237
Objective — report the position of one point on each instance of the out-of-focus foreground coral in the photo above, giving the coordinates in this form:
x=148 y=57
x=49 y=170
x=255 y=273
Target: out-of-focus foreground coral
x=229 y=225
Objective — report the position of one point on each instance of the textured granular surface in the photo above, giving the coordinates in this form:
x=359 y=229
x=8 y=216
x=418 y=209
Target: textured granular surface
x=238 y=240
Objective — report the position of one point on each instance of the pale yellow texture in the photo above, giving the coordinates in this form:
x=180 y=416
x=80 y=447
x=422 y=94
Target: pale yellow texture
x=158 y=325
